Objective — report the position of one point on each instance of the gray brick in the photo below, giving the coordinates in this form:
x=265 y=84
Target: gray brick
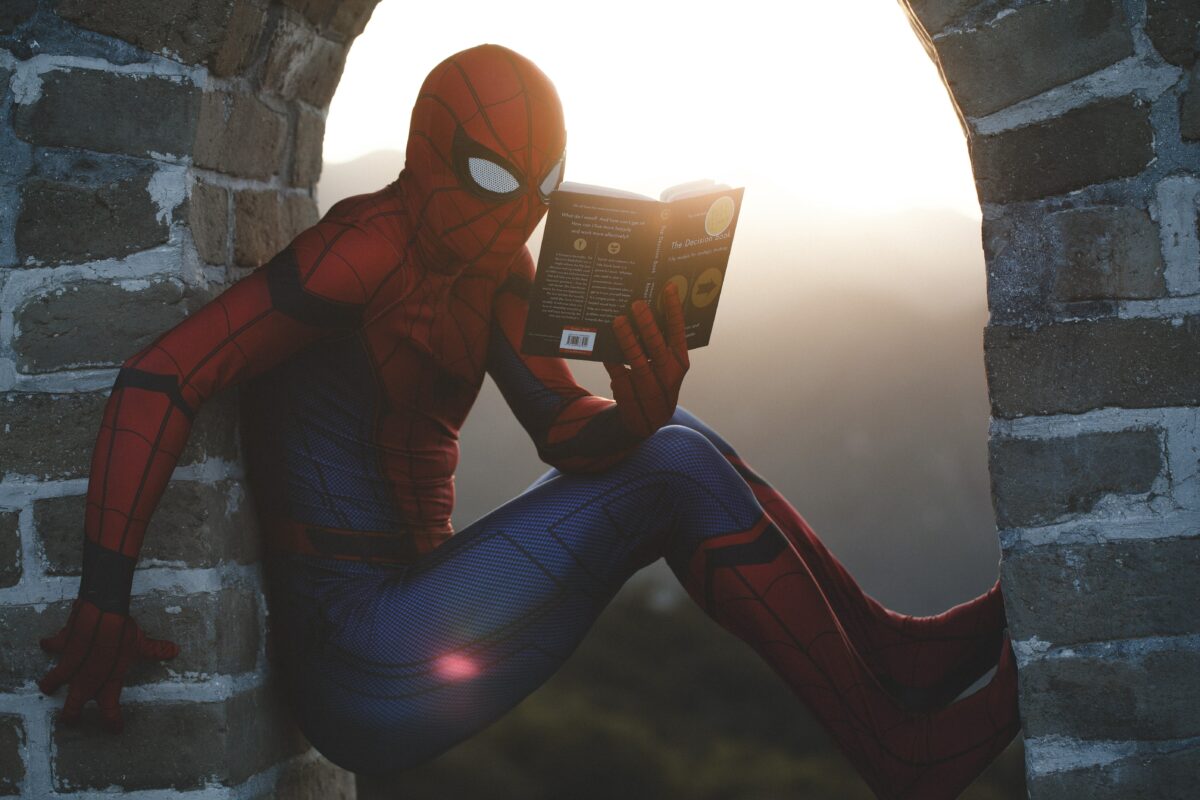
x=15 y=12
x=1109 y=253
x=10 y=548
x=111 y=113
x=1072 y=367
x=192 y=526
x=1103 y=141
x=12 y=766
x=1112 y=698
x=1189 y=110
x=934 y=15
x=315 y=780
x=1174 y=27
x=60 y=222
x=57 y=330
x=1038 y=481
x=1117 y=590
x=310 y=139
x=341 y=20
x=176 y=745
x=75 y=421
x=189 y=29
x=303 y=65
x=22 y=661
x=240 y=135
x=1036 y=48
x=208 y=217
x=1152 y=776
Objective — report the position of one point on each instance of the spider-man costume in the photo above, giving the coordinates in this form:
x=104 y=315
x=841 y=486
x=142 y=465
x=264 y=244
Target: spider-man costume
x=360 y=348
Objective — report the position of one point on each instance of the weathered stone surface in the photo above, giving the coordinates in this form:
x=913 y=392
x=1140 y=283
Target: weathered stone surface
x=176 y=745
x=242 y=35
x=1118 y=698
x=1100 y=142
x=75 y=421
x=208 y=217
x=1117 y=590
x=1167 y=776
x=111 y=113
x=12 y=766
x=98 y=323
x=310 y=139
x=338 y=19
x=1036 y=48
x=264 y=223
x=189 y=30
x=1109 y=253
x=1189 y=110
x=303 y=65
x=1174 y=27
x=934 y=15
x=1071 y=367
x=195 y=525
x=10 y=548
x=24 y=421
x=315 y=780
x=14 y=12
x=239 y=135
x=1038 y=481
x=64 y=223
x=22 y=661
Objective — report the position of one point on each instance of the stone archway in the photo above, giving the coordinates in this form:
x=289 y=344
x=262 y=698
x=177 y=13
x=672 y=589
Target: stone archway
x=151 y=153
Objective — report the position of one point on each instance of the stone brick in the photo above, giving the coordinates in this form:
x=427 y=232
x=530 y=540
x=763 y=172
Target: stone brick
x=1109 y=253
x=22 y=661
x=1071 y=367
x=309 y=142
x=934 y=15
x=98 y=323
x=1038 y=481
x=1189 y=110
x=315 y=780
x=195 y=525
x=1100 y=142
x=242 y=36
x=12 y=766
x=59 y=222
x=239 y=135
x=1174 y=27
x=10 y=548
x=176 y=745
x=26 y=422
x=303 y=65
x=1152 y=776
x=111 y=113
x=74 y=419
x=15 y=12
x=341 y=20
x=1115 y=698
x=257 y=227
x=1036 y=48
x=1116 y=590
x=208 y=217
x=190 y=30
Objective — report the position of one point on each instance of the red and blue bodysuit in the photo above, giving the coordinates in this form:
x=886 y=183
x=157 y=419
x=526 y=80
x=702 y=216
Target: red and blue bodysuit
x=359 y=350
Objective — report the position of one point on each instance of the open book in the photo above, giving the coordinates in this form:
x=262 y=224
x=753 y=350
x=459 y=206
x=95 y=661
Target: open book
x=604 y=248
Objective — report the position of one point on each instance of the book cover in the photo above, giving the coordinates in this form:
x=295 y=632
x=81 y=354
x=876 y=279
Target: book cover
x=602 y=250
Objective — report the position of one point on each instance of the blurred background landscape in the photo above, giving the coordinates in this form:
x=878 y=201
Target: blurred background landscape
x=846 y=363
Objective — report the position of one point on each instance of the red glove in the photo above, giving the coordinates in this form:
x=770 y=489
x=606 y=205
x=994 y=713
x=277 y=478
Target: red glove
x=648 y=390
x=97 y=648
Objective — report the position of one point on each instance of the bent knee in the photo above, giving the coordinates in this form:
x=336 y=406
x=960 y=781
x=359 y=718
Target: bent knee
x=678 y=446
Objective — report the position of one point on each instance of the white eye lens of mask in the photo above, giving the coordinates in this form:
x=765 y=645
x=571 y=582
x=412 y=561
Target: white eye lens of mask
x=492 y=176
x=551 y=181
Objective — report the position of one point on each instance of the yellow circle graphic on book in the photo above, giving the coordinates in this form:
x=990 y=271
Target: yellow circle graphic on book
x=719 y=215
x=707 y=287
x=680 y=286
x=580 y=244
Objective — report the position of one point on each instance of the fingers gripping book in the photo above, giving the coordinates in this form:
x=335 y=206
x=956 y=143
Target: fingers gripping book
x=604 y=248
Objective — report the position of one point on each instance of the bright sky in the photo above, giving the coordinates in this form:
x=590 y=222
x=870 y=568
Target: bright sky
x=837 y=108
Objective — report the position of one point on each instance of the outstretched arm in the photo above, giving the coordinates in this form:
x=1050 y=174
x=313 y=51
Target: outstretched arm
x=574 y=430
x=317 y=287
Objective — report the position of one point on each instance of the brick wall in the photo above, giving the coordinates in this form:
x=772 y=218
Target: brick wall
x=1083 y=123
x=151 y=153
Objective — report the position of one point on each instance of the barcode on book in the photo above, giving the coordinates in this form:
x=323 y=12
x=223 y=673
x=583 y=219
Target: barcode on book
x=578 y=341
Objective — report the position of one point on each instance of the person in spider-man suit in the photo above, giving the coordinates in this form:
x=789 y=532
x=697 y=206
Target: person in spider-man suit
x=359 y=349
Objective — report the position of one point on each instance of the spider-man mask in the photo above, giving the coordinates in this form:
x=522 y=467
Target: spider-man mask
x=485 y=148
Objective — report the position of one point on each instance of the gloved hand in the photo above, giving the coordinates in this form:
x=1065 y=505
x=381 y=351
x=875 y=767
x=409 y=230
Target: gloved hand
x=647 y=391
x=97 y=648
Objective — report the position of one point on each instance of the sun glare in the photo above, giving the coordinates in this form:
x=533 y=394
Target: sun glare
x=843 y=111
